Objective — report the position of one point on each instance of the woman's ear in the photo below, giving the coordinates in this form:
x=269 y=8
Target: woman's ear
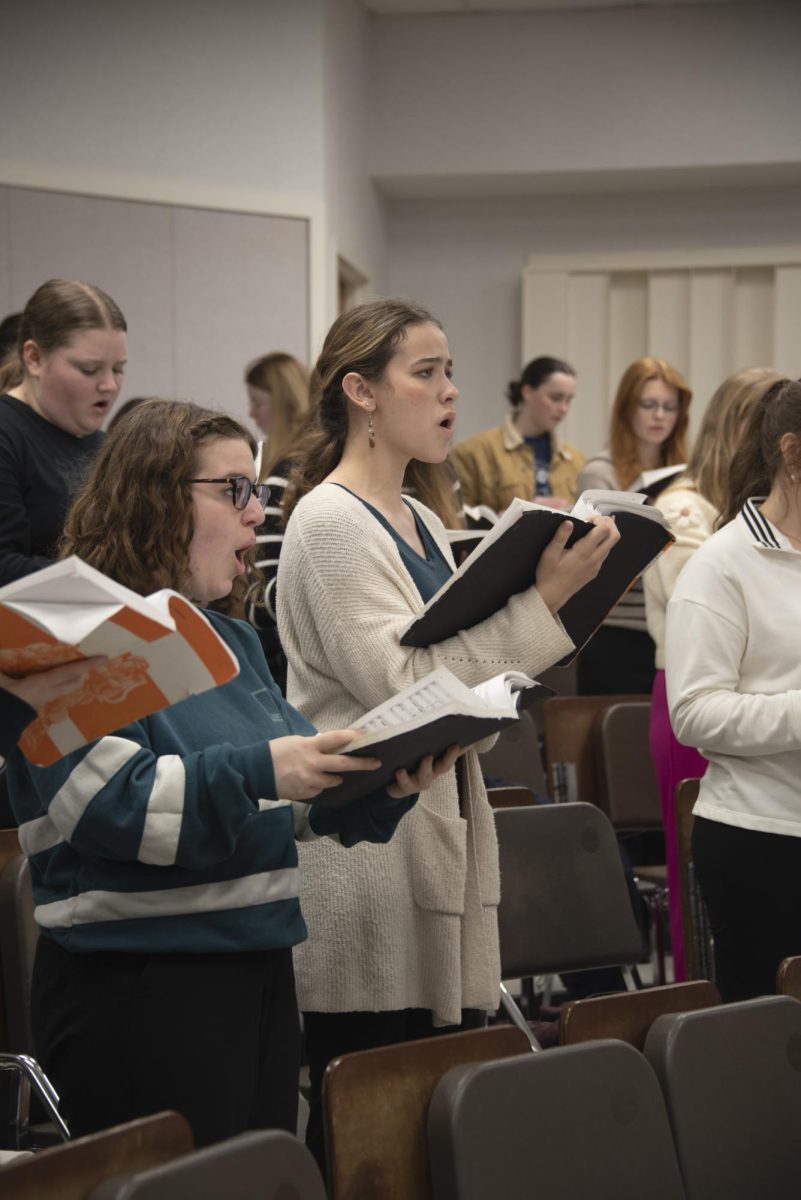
x=790 y=446
x=32 y=357
x=359 y=390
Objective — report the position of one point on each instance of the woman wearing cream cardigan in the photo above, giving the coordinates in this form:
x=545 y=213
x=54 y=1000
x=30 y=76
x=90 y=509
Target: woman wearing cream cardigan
x=401 y=943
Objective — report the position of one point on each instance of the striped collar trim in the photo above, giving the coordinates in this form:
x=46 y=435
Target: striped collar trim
x=760 y=528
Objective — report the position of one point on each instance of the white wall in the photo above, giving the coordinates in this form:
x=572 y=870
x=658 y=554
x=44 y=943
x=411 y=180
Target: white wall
x=193 y=91
x=464 y=259
x=525 y=93
x=356 y=218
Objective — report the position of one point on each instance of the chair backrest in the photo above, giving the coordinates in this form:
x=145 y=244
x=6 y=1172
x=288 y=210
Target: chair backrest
x=18 y=938
x=269 y=1165
x=71 y=1171
x=698 y=956
x=515 y=758
x=628 y=1016
x=788 y=977
x=375 y=1104
x=567 y=725
x=628 y=791
x=510 y=797
x=564 y=900
x=731 y=1077
x=576 y=1121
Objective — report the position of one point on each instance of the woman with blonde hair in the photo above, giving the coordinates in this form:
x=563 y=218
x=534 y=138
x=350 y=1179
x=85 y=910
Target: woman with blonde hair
x=278 y=390
x=405 y=943
x=647 y=430
x=692 y=505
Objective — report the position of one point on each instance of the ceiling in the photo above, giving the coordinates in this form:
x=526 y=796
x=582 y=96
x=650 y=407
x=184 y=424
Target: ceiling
x=397 y=7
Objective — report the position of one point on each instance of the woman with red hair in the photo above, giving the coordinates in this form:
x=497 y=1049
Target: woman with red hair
x=647 y=430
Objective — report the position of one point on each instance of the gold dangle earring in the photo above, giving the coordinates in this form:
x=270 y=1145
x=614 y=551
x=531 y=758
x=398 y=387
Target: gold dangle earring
x=370 y=432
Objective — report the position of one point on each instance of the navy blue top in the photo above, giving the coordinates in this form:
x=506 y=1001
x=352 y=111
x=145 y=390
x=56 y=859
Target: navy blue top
x=428 y=573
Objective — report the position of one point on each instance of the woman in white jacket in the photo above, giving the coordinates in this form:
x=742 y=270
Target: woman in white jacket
x=405 y=942
x=692 y=506
x=734 y=691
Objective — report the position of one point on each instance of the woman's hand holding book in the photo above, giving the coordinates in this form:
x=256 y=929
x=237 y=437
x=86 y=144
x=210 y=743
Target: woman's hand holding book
x=561 y=572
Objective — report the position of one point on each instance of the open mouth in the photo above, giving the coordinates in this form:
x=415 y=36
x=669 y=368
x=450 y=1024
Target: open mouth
x=448 y=423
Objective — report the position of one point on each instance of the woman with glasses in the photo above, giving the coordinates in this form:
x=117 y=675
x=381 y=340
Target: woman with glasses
x=56 y=390
x=647 y=430
x=163 y=859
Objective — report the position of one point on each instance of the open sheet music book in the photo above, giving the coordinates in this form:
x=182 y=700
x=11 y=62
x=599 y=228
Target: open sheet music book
x=432 y=714
x=160 y=649
x=505 y=561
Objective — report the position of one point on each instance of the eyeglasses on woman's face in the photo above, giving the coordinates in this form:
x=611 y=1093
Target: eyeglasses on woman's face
x=241 y=490
x=671 y=407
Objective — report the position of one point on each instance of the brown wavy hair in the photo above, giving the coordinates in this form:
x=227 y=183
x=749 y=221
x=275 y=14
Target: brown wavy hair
x=363 y=340
x=133 y=518
x=56 y=311
x=759 y=461
x=622 y=442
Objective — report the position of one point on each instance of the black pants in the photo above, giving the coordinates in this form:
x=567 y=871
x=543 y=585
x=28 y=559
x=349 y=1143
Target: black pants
x=330 y=1034
x=215 y=1036
x=751 y=885
x=616 y=661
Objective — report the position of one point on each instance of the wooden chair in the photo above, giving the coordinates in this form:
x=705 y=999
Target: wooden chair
x=71 y=1171
x=569 y=747
x=731 y=1079
x=269 y=1165
x=699 y=959
x=628 y=1016
x=564 y=903
x=579 y=1121
x=510 y=797
x=788 y=977
x=374 y=1109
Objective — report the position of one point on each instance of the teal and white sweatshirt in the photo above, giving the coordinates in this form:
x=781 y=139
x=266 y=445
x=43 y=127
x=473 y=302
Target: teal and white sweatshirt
x=168 y=835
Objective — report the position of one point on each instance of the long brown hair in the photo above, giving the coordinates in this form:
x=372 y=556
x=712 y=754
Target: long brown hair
x=721 y=429
x=133 y=518
x=56 y=311
x=287 y=381
x=758 y=461
x=622 y=442
x=363 y=340
x=437 y=486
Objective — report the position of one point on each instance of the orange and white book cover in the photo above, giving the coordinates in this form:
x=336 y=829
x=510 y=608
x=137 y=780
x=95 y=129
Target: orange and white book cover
x=160 y=649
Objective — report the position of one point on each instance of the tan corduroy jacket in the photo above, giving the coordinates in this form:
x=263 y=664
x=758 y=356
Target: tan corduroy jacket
x=497 y=465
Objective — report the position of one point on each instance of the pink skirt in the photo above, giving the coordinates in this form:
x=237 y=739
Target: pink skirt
x=672 y=762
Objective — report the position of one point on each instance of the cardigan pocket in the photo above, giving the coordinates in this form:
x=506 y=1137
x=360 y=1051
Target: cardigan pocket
x=438 y=861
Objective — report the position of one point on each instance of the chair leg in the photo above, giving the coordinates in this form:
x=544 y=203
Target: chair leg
x=31 y=1075
x=517 y=1017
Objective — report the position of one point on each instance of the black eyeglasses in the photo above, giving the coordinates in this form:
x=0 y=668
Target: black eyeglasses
x=241 y=490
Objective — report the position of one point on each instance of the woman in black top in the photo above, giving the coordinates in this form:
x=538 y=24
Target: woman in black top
x=55 y=393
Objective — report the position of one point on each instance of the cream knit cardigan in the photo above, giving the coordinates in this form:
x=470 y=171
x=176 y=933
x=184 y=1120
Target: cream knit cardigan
x=411 y=924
